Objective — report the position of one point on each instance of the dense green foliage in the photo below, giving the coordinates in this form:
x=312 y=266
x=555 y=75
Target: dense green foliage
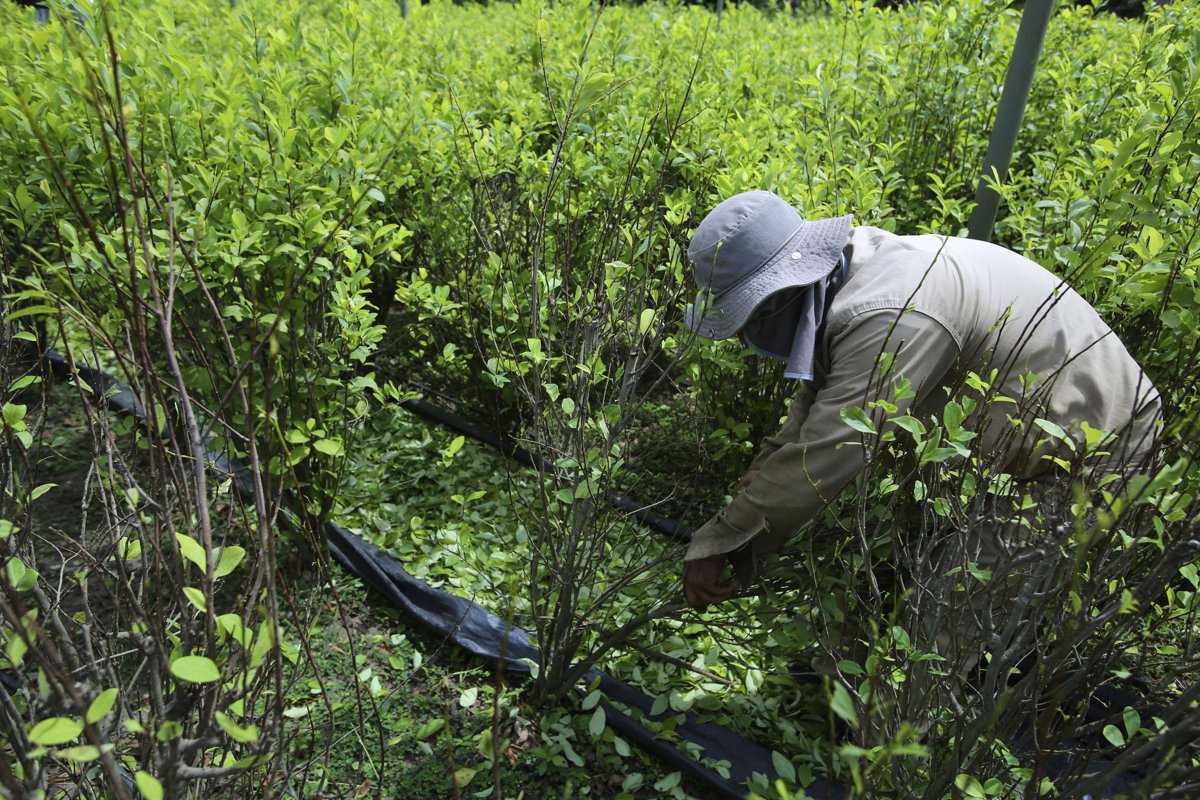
x=262 y=211
x=329 y=149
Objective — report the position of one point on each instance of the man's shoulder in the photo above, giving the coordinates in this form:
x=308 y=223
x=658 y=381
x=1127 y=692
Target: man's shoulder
x=875 y=246
x=902 y=274
x=891 y=271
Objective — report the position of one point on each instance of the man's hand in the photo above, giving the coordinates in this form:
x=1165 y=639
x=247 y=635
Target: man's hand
x=749 y=479
x=702 y=582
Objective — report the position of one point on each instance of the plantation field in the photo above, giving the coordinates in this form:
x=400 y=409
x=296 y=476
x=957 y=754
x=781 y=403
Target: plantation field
x=276 y=222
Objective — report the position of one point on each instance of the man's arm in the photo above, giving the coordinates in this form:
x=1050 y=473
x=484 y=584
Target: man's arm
x=790 y=432
x=800 y=477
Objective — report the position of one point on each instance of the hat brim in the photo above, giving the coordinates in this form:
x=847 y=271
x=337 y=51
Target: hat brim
x=819 y=243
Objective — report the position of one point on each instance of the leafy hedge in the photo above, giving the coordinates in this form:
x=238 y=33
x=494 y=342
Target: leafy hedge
x=301 y=138
x=495 y=201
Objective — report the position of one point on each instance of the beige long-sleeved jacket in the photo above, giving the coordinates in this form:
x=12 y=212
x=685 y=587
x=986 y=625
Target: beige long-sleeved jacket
x=945 y=307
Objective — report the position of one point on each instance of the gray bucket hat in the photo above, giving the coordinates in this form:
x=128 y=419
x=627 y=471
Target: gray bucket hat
x=749 y=247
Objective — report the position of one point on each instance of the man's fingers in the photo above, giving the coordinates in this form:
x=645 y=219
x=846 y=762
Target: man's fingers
x=700 y=596
x=702 y=582
x=712 y=598
x=722 y=592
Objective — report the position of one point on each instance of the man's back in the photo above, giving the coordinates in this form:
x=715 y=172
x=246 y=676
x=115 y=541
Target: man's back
x=1053 y=354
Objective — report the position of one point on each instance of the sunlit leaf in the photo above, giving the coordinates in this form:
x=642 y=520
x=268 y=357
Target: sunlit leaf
x=857 y=419
x=55 y=730
x=842 y=704
x=195 y=669
x=101 y=706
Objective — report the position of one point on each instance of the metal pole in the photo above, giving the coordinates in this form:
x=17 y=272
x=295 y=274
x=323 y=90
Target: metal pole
x=1026 y=50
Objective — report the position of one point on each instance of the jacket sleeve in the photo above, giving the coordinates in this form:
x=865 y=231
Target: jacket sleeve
x=790 y=432
x=798 y=479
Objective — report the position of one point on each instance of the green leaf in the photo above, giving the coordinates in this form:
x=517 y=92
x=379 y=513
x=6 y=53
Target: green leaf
x=468 y=698
x=666 y=783
x=232 y=625
x=569 y=751
x=910 y=424
x=430 y=728
x=591 y=700
x=230 y=558
x=262 y=643
x=969 y=786
x=842 y=705
x=15 y=571
x=190 y=549
x=54 y=731
x=82 y=754
x=331 y=447
x=236 y=732
x=16 y=649
x=22 y=382
x=1114 y=735
x=14 y=415
x=597 y=722
x=594 y=86
x=1056 y=432
x=148 y=785
x=452 y=449
x=41 y=490
x=1132 y=720
x=783 y=767
x=195 y=597
x=463 y=776
x=30 y=311
x=645 y=320
x=1153 y=240
x=1188 y=571
x=857 y=419
x=195 y=669
x=101 y=706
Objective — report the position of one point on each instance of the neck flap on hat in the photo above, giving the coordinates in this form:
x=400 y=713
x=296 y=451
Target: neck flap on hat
x=787 y=325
